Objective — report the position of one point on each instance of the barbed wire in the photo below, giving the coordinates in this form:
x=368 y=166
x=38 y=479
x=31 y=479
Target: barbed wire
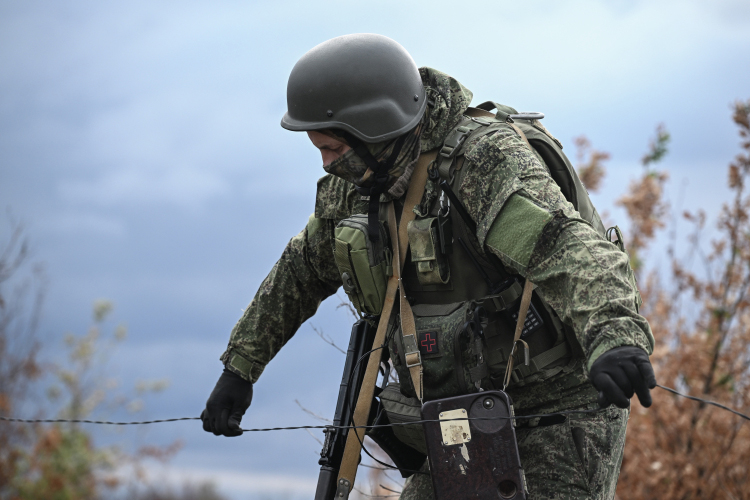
x=82 y=421
x=392 y=424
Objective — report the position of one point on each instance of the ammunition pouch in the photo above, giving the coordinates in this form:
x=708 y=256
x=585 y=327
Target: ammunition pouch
x=364 y=265
x=426 y=254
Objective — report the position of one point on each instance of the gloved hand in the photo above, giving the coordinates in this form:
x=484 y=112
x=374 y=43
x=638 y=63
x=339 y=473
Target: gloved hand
x=620 y=372
x=227 y=403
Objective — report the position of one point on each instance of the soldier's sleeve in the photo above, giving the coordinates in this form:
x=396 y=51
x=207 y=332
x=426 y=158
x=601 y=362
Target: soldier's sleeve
x=303 y=277
x=524 y=219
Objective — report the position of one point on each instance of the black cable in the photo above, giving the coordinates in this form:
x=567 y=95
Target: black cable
x=668 y=389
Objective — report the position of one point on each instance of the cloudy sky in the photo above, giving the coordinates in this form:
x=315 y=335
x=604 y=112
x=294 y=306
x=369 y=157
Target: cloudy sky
x=140 y=146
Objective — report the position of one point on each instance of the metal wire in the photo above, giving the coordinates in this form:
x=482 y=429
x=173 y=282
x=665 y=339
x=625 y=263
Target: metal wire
x=668 y=389
x=80 y=421
x=517 y=417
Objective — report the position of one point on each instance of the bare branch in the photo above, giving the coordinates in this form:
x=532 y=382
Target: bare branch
x=314 y=437
x=348 y=305
x=328 y=340
x=313 y=414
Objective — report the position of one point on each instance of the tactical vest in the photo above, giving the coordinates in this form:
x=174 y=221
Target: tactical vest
x=465 y=302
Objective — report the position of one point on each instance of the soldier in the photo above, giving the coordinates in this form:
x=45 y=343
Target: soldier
x=372 y=114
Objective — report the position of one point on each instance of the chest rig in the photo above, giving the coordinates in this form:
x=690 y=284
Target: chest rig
x=465 y=303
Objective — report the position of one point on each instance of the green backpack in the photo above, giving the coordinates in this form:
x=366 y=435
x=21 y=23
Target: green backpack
x=545 y=144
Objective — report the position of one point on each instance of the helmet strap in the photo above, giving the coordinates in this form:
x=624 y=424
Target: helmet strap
x=380 y=177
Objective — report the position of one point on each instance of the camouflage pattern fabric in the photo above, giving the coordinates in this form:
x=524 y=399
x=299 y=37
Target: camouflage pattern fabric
x=575 y=460
x=582 y=276
x=306 y=273
x=569 y=261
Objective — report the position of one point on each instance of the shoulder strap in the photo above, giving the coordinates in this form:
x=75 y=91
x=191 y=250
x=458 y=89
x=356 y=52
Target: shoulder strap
x=528 y=287
x=549 y=148
x=353 y=447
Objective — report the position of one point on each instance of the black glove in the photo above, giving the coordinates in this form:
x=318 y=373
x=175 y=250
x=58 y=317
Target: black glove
x=620 y=372
x=227 y=403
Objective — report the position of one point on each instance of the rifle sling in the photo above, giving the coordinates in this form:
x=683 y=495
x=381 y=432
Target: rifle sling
x=400 y=243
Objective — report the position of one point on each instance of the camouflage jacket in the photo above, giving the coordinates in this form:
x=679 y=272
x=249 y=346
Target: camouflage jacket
x=522 y=217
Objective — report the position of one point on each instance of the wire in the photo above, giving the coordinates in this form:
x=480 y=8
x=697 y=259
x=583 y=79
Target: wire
x=61 y=420
x=668 y=389
x=392 y=424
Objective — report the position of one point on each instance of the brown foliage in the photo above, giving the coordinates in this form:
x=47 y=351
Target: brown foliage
x=679 y=449
x=644 y=201
x=590 y=164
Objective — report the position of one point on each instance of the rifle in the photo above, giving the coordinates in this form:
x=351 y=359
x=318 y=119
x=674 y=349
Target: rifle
x=406 y=458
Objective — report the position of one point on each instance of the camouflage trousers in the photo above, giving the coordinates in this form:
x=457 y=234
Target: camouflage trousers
x=577 y=459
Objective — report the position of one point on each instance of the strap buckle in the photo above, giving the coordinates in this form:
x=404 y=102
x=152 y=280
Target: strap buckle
x=453 y=141
x=410 y=350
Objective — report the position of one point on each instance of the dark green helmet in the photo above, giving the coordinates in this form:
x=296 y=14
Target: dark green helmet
x=365 y=84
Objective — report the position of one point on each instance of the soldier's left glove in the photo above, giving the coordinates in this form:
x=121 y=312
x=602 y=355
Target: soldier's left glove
x=620 y=372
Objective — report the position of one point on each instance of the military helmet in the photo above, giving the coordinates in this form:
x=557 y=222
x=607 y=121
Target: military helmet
x=365 y=84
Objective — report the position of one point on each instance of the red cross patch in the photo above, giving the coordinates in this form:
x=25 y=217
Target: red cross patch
x=428 y=343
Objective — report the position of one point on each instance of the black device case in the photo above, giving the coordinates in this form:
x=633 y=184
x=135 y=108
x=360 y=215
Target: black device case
x=474 y=459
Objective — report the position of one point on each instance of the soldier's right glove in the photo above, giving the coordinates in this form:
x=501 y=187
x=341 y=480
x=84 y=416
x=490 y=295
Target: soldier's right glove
x=227 y=403
x=620 y=372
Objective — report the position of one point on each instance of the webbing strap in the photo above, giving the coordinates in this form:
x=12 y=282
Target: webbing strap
x=452 y=144
x=528 y=288
x=353 y=447
x=522 y=135
x=543 y=360
x=408 y=327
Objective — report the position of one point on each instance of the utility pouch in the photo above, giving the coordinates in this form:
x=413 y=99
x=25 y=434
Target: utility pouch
x=402 y=409
x=472 y=448
x=364 y=266
x=427 y=251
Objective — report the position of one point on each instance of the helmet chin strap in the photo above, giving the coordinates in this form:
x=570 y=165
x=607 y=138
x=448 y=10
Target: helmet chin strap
x=380 y=176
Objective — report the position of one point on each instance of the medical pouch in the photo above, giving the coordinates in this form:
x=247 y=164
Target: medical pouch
x=364 y=265
x=444 y=350
x=424 y=242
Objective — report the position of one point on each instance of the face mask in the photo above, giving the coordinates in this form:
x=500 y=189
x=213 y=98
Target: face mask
x=352 y=168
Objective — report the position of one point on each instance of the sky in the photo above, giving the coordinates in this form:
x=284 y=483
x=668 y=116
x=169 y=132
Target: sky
x=140 y=147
